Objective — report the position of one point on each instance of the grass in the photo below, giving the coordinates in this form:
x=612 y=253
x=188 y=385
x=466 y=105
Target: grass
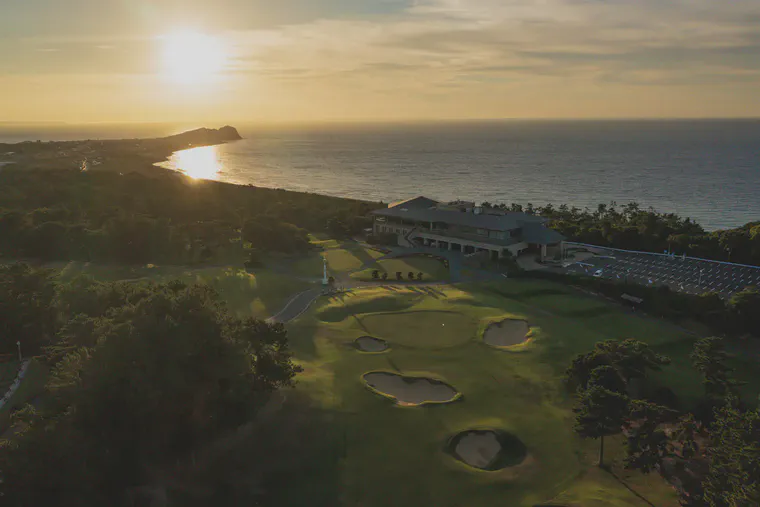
x=247 y=294
x=341 y=258
x=397 y=455
x=421 y=329
x=432 y=270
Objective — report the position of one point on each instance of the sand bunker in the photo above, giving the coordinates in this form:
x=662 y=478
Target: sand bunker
x=488 y=449
x=411 y=390
x=370 y=344
x=507 y=333
x=478 y=449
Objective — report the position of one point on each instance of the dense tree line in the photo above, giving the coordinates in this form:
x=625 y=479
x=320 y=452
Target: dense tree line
x=143 y=375
x=738 y=315
x=166 y=217
x=630 y=227
x=710 y=453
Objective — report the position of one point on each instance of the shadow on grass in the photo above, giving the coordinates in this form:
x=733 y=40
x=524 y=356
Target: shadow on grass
x=541 y=292
x=368 y=262
x=436 y=294
x=626 y=486
x=301 y=340
x=588 y=313
x=290 y=457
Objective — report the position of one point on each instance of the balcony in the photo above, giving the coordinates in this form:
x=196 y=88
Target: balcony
x=448 y=235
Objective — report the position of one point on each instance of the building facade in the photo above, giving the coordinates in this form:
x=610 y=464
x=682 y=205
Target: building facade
x=462 y=226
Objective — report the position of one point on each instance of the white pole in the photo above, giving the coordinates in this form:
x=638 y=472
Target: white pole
x=324 y=278
x=20 y=357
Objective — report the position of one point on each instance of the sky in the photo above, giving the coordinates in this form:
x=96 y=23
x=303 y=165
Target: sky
x=315 y=60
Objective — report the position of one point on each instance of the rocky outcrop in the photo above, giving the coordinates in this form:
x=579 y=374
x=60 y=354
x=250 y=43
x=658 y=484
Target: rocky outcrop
x=204 y=137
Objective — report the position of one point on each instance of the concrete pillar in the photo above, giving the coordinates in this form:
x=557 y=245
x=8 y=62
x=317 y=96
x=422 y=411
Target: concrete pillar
x=543 y=252
x=451 y=246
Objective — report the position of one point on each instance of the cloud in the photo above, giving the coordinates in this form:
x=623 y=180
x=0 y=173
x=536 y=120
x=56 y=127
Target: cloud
x=437 y=41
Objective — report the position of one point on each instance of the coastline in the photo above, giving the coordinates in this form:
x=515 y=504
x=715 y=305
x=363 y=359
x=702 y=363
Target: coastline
x=118 y=155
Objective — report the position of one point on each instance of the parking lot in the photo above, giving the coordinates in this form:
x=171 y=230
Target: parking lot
x=684 y=275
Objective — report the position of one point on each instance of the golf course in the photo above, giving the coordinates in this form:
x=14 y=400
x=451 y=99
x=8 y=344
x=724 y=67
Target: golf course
x=441 y=394
x=400 y=448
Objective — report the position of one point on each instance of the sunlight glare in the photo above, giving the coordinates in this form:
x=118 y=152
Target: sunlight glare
x=199 y=163
x=192 y=58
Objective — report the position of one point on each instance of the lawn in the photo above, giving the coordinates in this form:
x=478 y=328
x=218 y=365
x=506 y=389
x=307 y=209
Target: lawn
x=261 y=293
x=421 y=329
x=432 y=270
x=394 y=455
x=341 y=258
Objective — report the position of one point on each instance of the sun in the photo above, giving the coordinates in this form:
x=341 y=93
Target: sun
x=192 y=58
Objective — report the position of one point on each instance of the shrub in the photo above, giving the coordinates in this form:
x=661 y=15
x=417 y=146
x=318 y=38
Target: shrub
x=254 y=259
x=383 y=238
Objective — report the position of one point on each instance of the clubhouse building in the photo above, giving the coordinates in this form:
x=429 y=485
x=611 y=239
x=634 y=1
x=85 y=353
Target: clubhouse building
x=461 y=226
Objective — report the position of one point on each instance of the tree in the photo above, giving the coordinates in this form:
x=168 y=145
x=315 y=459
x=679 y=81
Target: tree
x=375 y=274
x=419 y=276
x=27 y=313
x=734 y=454
x=709 y=358
x=745 y=306
x=600 y=413
x=272 y=235
x=399 y=275
x=648 y=444
x=254 y=259
x=410 y=275
x=161 y=377
x=337 y=228
x=631 y=358
x=609 y=378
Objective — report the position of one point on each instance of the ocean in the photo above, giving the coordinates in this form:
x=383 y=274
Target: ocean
x=708 y=170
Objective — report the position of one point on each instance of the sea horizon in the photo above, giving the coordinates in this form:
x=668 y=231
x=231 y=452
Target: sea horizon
x=707 y=169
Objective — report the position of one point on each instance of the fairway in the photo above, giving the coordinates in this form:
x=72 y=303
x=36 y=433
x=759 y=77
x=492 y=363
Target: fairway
x=398 y=455
x=422 y=329
x=341 y=258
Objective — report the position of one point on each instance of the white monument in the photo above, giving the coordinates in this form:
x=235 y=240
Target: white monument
x=325 y=280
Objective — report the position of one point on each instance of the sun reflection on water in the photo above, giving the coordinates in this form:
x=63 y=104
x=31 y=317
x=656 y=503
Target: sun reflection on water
x=199 y=163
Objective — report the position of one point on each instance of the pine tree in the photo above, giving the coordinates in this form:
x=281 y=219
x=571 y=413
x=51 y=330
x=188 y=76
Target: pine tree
x=709 y=358
x=600 y=413
x=631 y=358
x=734 y=476
x=648 y=444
